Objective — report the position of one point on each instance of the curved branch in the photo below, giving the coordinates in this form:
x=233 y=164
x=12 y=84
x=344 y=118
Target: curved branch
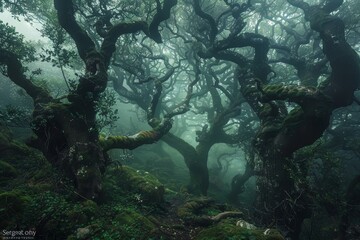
x=15 y=72
x=301 y=95
x=300 y=4
x=65 y=9
x=134 y=141
x=332 y=5
x=160 y=16
x=184 y=148
x=208 y=18
x=108 y=46
x=310 y=121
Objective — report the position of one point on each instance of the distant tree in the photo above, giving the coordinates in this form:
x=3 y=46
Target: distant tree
x=211 y=96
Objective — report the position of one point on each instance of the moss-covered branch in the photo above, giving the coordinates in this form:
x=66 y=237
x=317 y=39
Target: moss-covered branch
x=301 y=95
x=134 y=141
x=305 y=125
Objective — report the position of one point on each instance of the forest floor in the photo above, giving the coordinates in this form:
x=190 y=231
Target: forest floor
x=135 y=205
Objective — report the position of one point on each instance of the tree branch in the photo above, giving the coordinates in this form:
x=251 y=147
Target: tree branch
x=161 y=15
x=108 y=46
x=65 y=9
x=207 y=17
x=332 y=5
x=141 y=138
x=15 y=72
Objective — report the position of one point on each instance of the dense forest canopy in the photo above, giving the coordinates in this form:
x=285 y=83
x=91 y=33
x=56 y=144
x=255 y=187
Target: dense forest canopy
x=262 y=79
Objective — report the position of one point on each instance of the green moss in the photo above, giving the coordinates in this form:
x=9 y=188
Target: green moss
x=228 y=230
x=198 y=211
x=273 y=89
x=129 y=225
x=59 y=214
x=295 y=117
x=129 y=217
x=83 y=212
x=108 y=142
x=7 y=171
x=12 y=206
x=146 y=187
x=4 y=137
x=193 y=207
x=117 y=222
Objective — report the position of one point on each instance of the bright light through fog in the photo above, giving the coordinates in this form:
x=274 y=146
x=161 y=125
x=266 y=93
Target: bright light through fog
x=28 y=30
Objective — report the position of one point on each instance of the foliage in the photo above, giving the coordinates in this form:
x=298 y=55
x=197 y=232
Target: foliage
x=15 y=116
x=144 y=187
x=12 y=41
x=184 y=64
x=107 y=115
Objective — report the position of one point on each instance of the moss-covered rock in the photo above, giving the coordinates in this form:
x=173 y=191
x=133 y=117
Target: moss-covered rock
x=122 y=223
x=7 y=171
x=83 y=213
x=191 y=211
x=132 y=218
x=20 y=156
x=136 y=224
x=227 y=230
x=146 y=187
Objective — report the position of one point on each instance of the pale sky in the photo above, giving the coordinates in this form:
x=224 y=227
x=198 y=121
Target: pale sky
x=22 y=27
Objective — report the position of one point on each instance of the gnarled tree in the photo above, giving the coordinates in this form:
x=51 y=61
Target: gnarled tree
x=66 y=127
x=283 y=200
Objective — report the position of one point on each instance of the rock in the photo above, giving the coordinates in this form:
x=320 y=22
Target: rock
x=83 y=233
x=244 y=224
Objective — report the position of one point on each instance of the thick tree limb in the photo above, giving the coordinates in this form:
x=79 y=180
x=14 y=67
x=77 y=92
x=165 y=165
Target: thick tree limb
x=207 y=17
x=309 y=122
x=108 y=46
x=300 y=4
x=183 y=147
x=161 y=15
x=332 y=5
x=141 y=138
x=65 y=10
x=15 y=72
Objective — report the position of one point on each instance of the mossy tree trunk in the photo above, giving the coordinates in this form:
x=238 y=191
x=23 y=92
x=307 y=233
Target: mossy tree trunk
x=283 y=197
x=66 y=128
x=282 y=189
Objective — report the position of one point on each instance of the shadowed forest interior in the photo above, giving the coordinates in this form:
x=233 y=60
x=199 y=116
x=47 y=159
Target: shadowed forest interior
x=192 y=119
